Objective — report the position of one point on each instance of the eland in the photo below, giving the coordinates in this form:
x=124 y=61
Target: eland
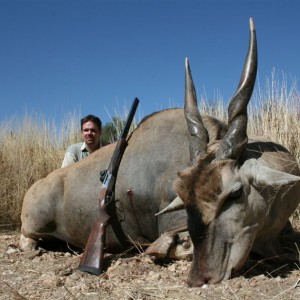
x=183 y=176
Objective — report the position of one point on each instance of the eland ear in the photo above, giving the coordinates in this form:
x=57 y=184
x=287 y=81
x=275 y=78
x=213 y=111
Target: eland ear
x=260 y=175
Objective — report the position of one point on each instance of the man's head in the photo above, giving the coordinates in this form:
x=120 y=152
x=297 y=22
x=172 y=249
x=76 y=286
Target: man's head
x=91 y=131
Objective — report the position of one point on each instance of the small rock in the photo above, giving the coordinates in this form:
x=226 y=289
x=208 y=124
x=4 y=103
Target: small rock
x=11 y=250
x=8 y=272
x=32 y=254
x=154 y=276
x=75 y=276
x=65 y=272
x=198 y=292
x=172 y=268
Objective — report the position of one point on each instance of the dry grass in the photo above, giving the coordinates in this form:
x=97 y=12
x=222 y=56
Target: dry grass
x=30 y=149
x=33 y=147
x=276 y=111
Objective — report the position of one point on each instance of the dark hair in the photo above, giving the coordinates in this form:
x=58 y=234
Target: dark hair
x=91 y=118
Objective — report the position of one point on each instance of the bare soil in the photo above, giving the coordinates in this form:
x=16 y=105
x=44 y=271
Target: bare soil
x=52 y=274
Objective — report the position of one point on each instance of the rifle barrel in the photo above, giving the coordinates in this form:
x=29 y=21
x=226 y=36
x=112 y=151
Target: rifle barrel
x=130 y=117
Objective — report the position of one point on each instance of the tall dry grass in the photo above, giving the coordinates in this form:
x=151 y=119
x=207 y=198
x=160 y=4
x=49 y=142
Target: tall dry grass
x=275 y=111
x=29 y=150
x=33 y=147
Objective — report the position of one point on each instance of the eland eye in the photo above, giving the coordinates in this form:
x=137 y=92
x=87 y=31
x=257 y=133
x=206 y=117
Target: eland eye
x=236 y=193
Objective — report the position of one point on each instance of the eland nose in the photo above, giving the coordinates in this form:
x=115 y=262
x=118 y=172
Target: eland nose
x=198 y=280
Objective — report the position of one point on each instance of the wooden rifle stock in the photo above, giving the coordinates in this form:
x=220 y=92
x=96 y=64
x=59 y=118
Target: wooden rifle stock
x=92 y=258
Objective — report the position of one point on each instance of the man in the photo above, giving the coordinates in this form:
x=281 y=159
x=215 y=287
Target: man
x=90 y=132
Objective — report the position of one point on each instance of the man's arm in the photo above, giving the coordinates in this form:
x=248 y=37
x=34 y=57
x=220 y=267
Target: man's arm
x=74 y=154
x=69 y=159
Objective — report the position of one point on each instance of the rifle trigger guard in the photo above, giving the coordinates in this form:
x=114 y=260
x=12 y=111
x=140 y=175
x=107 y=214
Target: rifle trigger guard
x=103 y=175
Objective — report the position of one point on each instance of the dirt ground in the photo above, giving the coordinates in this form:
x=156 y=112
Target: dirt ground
x=52 y=274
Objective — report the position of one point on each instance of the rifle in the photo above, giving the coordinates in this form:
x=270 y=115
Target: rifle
x=92 y=258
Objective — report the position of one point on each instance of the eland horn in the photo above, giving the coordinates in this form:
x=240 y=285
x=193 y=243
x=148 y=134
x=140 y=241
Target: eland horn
x=236 y=138
x=176 y=204
x=199 y=135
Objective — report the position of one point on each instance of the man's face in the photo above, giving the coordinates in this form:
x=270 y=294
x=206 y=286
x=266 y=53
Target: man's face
x=91 y=133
